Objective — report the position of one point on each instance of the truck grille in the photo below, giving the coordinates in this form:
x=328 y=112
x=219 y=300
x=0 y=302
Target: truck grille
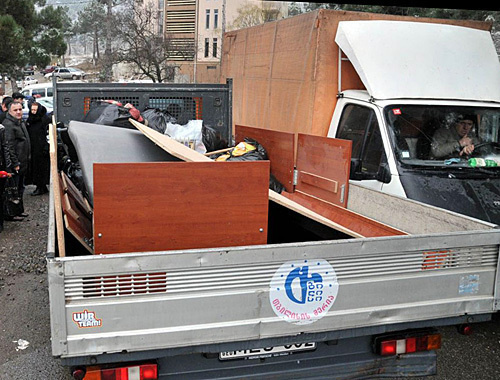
x=348 y=269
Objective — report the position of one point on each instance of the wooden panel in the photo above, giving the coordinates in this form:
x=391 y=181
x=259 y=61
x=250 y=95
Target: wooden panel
x=56 y=188
x=180 y=151
x=179 y=205
x=323 y=166
x=280 y=147
x=77 y=222
x=350 y=220
x=70 y=188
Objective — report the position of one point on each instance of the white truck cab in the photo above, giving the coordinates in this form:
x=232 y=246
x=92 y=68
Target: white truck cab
x=414 y=87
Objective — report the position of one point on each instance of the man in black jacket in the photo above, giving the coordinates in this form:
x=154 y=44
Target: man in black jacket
x=5 y=106
x=19 y=144
x=5 y=167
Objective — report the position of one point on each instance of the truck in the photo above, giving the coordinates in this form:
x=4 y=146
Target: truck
x=387 y=83
x=164 y=269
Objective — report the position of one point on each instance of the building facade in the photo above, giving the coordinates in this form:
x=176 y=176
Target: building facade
x=194 y=30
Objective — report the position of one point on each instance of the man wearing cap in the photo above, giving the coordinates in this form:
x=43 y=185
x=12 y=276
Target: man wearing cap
x=456 y=140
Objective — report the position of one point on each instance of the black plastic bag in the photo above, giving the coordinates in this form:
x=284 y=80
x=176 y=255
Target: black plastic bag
x=109 y=114
x=12 y=203
x=212 y=139
x=255 y=155
x=158 y=119
x=259 y=153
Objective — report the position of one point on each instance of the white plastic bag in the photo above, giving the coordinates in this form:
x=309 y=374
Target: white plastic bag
x=189 y=134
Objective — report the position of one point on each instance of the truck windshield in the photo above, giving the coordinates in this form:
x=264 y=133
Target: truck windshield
x=437 y=135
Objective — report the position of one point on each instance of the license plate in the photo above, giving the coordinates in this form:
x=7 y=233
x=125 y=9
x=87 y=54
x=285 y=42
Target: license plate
x=268 y=352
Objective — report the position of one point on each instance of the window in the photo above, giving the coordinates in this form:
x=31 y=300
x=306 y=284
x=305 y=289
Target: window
x=359 y=124
x=216 y=19
x=207 y=19
x=207 y=47
x=40 y=92
x=214 y=47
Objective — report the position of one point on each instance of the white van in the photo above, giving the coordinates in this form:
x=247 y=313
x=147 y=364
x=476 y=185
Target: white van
x=41 y=89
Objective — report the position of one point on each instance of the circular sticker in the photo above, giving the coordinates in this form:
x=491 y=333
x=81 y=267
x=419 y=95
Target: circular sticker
x=302 y=292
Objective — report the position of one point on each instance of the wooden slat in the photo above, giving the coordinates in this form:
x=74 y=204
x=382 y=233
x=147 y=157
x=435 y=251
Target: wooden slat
x=280 y=148
x=179 y=205
x=56 y=189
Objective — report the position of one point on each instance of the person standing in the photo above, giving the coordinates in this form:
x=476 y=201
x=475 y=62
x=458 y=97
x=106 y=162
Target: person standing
x=19 y=144
x=5 y=105
x=37 y=125
x=5 y=167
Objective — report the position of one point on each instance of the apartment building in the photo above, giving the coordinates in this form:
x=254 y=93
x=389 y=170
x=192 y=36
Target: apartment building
x=195 y=28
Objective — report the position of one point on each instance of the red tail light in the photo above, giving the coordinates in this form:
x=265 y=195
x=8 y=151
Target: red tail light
x=407 y=343
x=137 y=372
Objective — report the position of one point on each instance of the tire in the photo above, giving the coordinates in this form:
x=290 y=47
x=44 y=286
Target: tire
x=74 y=77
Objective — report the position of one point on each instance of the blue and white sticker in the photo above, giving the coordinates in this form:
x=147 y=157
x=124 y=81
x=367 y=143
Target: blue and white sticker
x=302 y=292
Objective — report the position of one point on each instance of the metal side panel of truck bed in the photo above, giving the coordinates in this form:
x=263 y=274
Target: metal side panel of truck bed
x=165 y=300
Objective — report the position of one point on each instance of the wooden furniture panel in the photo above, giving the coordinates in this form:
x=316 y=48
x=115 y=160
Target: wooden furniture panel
x=280 y=147
x=179 y=205
x=351 y=221
x=323 y=166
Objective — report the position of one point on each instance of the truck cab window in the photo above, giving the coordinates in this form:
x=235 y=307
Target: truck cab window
x=359 y=124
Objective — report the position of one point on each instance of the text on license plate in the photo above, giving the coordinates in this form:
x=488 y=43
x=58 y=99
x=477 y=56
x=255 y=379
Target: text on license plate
x=256 y=353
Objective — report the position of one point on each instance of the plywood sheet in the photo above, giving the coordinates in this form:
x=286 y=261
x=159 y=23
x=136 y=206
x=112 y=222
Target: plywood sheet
x=280 y=148
x=179 y=205
x=323 y=166
x=299 y=53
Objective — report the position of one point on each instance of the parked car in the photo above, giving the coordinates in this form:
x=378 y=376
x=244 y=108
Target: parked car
x=66 y=73
x=29 y=70
x=26 y=82
x=47 y=69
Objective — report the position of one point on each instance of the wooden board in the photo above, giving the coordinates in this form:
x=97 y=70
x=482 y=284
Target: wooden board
x=170 y=145
x=350 y=220
x=323 y=166
x=280 y=148
x=56 y=189
x=70 y=188
x=77 y=222
x=179 y=205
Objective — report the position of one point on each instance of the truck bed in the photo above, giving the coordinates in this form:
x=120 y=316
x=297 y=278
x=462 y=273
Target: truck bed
x=163 y=300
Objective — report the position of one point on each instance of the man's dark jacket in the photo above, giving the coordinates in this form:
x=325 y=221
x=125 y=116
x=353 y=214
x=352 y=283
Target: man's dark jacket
x=19 y=142
x=5 y=162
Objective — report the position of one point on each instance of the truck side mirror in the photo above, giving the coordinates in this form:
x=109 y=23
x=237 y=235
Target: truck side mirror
x=384 y=174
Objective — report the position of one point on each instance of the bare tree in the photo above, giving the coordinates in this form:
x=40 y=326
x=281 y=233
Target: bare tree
x=144 y=46
x=256 y=14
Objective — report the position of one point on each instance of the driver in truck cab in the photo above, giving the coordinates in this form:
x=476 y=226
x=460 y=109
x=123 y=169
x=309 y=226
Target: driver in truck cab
x=454 y=141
